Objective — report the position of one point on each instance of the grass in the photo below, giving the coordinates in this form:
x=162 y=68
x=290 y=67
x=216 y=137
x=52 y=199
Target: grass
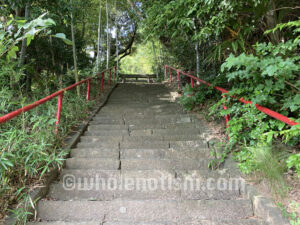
x=267 y=163
x=30 y=149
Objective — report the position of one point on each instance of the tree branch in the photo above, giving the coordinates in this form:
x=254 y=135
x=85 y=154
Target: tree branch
x=127 y=50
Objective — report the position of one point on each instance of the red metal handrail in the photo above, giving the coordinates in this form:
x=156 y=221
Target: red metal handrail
x=263 y=109
x=60 y=94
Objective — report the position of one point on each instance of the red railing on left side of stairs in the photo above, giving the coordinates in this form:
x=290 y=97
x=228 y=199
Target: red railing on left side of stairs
x=60 y=94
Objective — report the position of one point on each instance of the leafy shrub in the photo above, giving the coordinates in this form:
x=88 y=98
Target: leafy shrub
x=294 y=162
x=193 y=97
x=268 y=78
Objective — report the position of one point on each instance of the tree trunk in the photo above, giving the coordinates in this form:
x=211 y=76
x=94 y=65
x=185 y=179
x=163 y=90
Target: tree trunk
x=197 y=58
x=117 y=45
x=155 y=59
x=83 y=27
x=74 y=50
x=108 y=37
x=52 y=53
x=24 y=41
x=27 y=80
x=272 y=21
x=99 y=40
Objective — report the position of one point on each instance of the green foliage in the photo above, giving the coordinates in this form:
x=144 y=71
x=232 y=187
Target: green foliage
x=192 y=97
x=264 y=79
x=9 y=40
x=189 y=99
x=291 y=216
x=293 y=162
x=291 y=24
x=140 y=62
x=30 y=147
x=266 y=161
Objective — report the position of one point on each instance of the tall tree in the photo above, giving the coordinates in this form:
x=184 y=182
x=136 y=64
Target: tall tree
x=99 y=39
x=74 y=48
x=108 y=36
x=117 y=42
x=24 y=42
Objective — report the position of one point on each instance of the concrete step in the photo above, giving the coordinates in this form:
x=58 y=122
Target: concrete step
x=164 y=154
x=142 y=189
x=176 y=131
x=132 y=116
x=144 y=144
x=110 y=163
x=104 y=132
x=125 y=144
x=95 y=153
x=165 y=137
x=142 y=114
x=100 y=144
x=163 y=164
x=146 y=110
x=145 y=210
x=198 y=222
x=102 y=120
x=92 y=175
x=157 y=119
x=92 y=163
x=95 y=192
x=137 y=107
x=188 y=144
x=133 y=164
x=122 y=128
x=95 y=127
x=80 y=175
x=141 y=153
x=101 y=139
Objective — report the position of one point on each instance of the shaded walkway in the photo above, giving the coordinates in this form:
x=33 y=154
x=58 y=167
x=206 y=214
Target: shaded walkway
x=144 y=161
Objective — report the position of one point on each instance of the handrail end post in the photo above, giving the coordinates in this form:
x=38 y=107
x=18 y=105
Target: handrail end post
x=58 y=113
x=88 y=90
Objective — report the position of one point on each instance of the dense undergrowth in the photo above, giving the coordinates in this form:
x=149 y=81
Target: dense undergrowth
x=261 y=144
x=29 y=145
x=30 y=148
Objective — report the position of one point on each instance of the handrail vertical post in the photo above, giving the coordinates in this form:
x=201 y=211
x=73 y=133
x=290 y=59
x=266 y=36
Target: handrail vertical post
x=170 y=72
x=109 y=77
x=102 y=82
x=178 y=79
x=58 y=113
x=165 y=72
x=192 y=82
x=88 y=90
x=227 y=118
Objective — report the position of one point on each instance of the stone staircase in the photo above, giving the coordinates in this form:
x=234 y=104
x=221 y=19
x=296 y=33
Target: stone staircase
x=136 y=164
